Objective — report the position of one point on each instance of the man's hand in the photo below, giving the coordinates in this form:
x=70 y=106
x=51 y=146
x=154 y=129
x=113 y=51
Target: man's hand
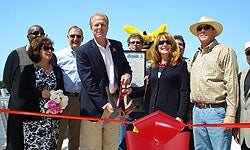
x=126 y=79
x=229 y=119
x=126 y=91
x=109 y=108
x=236 y=136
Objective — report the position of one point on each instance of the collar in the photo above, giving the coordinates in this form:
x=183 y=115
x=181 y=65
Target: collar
x=208 y=48
x=27 y=47
x=71 y=50
x=101 y=47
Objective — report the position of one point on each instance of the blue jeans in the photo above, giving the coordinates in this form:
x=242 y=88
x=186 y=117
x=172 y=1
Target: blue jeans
x=122 y=134
x=210 y=138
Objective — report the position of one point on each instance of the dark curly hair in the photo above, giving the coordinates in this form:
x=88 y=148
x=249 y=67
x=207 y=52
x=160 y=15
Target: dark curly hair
x=35 y=47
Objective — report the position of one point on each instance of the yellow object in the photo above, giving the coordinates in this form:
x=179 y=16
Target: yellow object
x=148 y=37
x=135 y=130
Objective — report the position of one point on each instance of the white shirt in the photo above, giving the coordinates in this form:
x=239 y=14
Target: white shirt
x=108 y=60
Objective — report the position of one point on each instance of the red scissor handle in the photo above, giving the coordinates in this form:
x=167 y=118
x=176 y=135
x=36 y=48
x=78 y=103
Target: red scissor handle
x=120 y=93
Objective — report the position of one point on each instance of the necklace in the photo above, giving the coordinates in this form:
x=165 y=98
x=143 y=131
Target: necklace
x=162 y=64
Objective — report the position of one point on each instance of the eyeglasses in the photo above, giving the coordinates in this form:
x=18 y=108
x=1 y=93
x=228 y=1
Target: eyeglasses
x=46 y=48
x=75 y=35
x=36 y=33
x=247 y=53
x=162 y=42
x=205 y=27
x=135 y=42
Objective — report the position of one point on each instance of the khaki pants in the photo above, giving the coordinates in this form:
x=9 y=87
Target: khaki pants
x=73 y=125
x=99 y=135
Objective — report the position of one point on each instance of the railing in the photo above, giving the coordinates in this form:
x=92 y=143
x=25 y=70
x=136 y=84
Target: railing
x=4 y=99
x=4 y=104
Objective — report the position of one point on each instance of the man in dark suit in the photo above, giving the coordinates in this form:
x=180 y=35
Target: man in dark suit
x=100 y=63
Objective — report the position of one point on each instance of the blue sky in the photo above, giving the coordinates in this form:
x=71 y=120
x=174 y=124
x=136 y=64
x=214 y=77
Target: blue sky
x=56 y=16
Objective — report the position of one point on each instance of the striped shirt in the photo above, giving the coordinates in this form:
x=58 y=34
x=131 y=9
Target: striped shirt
x=214 y=77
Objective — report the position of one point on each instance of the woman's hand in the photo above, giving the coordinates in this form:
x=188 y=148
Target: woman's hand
x=179 y=119
x=46 y=94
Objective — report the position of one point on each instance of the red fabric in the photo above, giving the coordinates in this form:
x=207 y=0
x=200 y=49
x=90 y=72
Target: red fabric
x=157 y=131
x=136 y=141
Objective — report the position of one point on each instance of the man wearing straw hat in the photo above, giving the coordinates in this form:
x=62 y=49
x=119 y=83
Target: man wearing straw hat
x=214 y=87
x=244 y=111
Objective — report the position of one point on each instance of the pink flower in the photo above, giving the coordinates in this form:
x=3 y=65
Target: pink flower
x=58 y=101
x=53 y=107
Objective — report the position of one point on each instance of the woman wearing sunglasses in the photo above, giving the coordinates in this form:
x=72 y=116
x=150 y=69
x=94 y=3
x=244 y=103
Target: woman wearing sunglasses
x=36 y=82
x=167 y=87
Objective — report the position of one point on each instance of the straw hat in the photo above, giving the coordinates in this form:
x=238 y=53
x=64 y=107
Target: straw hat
x=247 y=45
x=206 y=20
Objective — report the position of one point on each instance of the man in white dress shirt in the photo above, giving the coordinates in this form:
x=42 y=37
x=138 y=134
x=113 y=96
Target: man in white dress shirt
x=72 y=83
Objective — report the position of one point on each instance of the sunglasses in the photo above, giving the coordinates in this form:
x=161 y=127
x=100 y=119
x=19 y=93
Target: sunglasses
x=75 y=35
x=135 y=42
x=36 y=33
x=162 y=42
x=46 y=48
x=205 y=27
x=247 y=53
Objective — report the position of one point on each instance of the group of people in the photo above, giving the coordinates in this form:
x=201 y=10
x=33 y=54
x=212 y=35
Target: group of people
x=206 y=85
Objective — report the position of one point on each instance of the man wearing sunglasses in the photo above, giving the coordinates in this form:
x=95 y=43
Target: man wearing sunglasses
x=135 y=43
x=242 y=136
x=214 y=87
x=72 y=83
x=14 y=65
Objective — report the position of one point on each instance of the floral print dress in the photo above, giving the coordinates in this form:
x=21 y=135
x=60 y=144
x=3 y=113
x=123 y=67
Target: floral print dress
x=42 y=134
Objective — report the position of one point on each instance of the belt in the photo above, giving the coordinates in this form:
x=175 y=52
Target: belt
x=203 y=105
x=72 y=93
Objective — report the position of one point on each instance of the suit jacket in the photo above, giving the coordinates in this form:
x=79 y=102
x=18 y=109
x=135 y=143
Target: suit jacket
x=244 y=109
x=92 y=72
x=169 y=93
x=29 y=92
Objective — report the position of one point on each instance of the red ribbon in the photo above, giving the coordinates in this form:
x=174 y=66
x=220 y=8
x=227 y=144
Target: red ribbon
x=224 y=125
x=62 y=116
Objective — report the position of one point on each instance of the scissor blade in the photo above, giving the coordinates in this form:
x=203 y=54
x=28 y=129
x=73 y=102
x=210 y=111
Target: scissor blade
x=116 y=110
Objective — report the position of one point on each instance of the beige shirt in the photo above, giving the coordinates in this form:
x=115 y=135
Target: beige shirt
x=214 y=77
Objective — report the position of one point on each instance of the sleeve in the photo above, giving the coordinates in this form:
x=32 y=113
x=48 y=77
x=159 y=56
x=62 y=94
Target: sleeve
x=231 y=81
x=137 y=92
x=126 y=66
x=184 y=83
x=11 y=67
x=28 y=90
x=27 y=87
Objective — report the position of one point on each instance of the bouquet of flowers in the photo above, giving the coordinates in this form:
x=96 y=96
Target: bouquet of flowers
x=58 y=101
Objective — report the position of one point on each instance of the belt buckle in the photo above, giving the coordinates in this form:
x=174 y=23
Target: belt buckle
x=204 y=105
